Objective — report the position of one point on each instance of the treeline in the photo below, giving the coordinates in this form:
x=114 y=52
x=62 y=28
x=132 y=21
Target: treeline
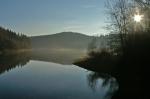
x=10 y=40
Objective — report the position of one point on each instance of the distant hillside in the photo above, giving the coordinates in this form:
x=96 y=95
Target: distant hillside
x=63 y=40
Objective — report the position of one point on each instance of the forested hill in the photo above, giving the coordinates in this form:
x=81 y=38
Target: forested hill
x=63 y=40
x=11 y=40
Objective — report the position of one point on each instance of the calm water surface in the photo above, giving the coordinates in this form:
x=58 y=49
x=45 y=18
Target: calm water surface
x=47 y=80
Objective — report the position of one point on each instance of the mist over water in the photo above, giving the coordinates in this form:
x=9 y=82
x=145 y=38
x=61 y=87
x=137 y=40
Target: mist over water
x=28 y=76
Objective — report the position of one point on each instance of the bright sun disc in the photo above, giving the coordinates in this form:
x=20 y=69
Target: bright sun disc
x=138 y=18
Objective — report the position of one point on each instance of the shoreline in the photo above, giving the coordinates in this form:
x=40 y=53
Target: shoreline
x=17 y=51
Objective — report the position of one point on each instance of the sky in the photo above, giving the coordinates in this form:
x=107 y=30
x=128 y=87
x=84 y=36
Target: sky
x=43 y=17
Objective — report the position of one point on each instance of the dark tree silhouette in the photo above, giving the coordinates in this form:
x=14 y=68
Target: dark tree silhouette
x=10 y=40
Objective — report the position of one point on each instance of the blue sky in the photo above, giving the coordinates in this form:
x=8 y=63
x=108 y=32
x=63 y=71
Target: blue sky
x=41 y=17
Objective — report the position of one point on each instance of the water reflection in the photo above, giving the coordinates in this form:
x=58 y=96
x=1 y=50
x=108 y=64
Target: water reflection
x=129 y=82
x=46 y=80
x=61 y=57
x=8 y=62
x=109 y=83
x=51 y=81
x=132 y=80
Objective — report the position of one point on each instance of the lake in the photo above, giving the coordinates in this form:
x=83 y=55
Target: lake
x=34 y=79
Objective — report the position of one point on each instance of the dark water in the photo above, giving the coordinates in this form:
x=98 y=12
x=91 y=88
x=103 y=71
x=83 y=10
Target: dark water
x=22 y=77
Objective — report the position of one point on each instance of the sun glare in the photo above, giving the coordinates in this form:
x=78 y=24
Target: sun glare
x=138 y=18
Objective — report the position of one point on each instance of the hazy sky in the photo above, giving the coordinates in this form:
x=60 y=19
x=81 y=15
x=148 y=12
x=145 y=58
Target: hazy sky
x=40 y=17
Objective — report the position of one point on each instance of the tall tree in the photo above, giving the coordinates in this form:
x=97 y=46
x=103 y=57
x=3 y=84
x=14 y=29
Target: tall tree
x=122 y=14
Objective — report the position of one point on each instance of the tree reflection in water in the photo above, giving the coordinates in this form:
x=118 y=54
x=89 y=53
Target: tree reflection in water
x=108 y=82
x=8 y=62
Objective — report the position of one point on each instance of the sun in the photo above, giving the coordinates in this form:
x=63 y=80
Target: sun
x=138 y=18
